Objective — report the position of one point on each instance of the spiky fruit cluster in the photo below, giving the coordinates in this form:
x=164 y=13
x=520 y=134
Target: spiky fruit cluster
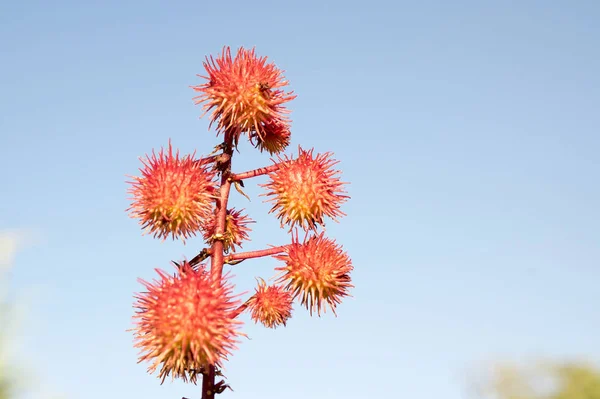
x=245 y=96
x=173 y=196
x=185 y=322
x=305 y=189
x=317 y=271
x=236 y=229
x=270 y=305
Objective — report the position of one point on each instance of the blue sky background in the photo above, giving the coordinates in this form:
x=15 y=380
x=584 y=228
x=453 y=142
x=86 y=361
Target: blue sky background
x=469 y=132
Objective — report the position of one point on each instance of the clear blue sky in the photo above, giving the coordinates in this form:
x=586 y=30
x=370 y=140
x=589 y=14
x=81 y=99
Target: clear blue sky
x=469 y=132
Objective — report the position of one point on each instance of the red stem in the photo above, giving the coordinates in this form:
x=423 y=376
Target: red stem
x=223 y=163
x=240 y=309
x=255 y=254
x=205 y=160
x=253 y=173
x=217 y=255
x=208 y=383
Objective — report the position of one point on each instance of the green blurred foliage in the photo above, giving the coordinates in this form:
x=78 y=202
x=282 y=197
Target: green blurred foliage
x=557 y=380
x=7 y=380
x=578 y=382
x=6 y=385
x=15 y=380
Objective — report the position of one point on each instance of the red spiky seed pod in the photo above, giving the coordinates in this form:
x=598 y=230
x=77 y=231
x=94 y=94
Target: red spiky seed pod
x=317 y=271
x=276 y=138
x=185 y=322
x=244 y=94
x=306 y=189
x=236 y=229
x=270 y=305
x=173 y=196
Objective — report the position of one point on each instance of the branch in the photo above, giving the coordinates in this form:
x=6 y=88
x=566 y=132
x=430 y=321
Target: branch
x=253 y=173
x=255 y=254
x=240 y=310
x=205 y=160
x=196 y=260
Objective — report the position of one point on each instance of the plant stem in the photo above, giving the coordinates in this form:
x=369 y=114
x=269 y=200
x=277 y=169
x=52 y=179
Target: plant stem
x=223 y=163
x=255 y=254
x=205 y=160
x=240 y=309
x=254 y=173
x=208 y=383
